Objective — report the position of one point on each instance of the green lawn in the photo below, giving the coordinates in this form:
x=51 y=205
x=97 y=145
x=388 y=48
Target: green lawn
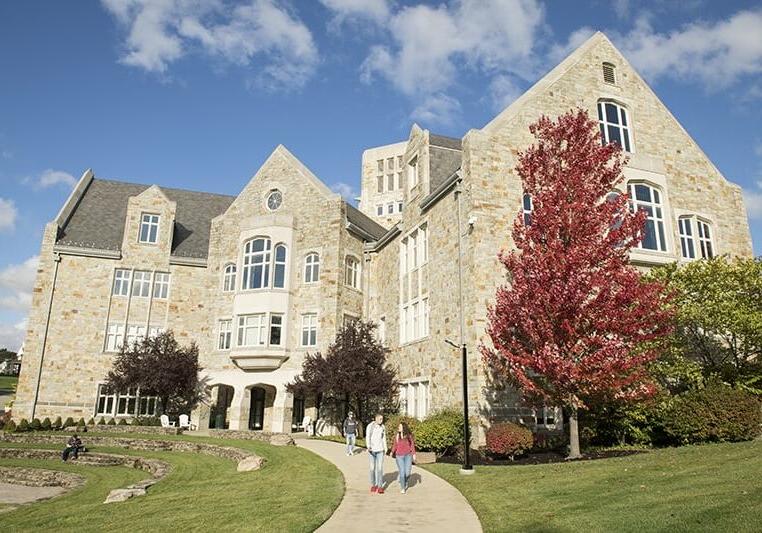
x=715 y=487
x=296 y=491
x=8 y=384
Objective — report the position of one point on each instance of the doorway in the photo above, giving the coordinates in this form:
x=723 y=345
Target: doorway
x=257 y=409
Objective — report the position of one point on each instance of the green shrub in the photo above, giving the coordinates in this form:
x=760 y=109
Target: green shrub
x=440 y=432
x=23 y=426
x=716 y=413
x=91 y=422
x=102 y=422
x=10 y=427
x=111 y=422
x=69 y=422
x=46 y=424
x=122 y=422
x=58 y=423
x=393 y=422
x=81 y=423
x=36 y=425
x=621 y=423
x=506 y=439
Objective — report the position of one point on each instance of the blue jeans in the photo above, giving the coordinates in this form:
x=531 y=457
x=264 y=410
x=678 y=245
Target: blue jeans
x=351 y=443
x=376 y=468
x=405 y=466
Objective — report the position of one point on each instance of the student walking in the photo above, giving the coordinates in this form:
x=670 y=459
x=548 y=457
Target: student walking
x=350 y=432
x=403 y=451
x=375 y=440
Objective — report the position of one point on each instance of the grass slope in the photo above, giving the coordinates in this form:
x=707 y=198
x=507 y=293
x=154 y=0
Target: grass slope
x=714 y=487
x=296 y=491
x=8 y=384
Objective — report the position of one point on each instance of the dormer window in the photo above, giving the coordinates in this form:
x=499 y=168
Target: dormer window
x=609 y=73
x=149 y=228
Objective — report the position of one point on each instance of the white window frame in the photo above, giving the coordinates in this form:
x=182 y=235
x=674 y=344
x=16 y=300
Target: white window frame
x=224 y=334
x=280 y=265
x=149 y=228
x=161 y=281
x=412 y=172
x=624 y=126
x=706 y=243
x=135 y=333
x=111 y=401
x=229 y=273
x=309 y=330
x=114 y=337
x=252 y=330
x=527 y=207
x=415 y=397
x=312 y=267
x=277 y=321
x=696 y=237
x=352 y=271
x=141 y=283
x=687 y=238
x=548 y=417
x=122 y=282
x=379 y=210
x=252 y=260
x=656 y=205
x=414 y=306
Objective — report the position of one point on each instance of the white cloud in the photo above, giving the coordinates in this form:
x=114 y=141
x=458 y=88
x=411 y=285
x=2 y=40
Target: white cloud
x=50 y=178
x=8 y=214
x=12 y=335
x=16 y=282
x=357 y=10
x=753 y=201
x=558 y=52
x=437 y=109
x=503 y=91
x=346 y=190
x=161 y=32
x=717 y=54
x=621 y=8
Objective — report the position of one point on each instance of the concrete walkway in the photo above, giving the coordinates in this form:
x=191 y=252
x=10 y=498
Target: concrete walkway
x=431 y=504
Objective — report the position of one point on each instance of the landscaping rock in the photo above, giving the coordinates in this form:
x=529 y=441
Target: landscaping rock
x=120 y=495
x=282 y=439
x=250 y=463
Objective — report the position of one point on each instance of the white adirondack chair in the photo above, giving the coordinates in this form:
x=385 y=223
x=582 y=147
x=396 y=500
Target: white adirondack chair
x=186 y=423
x=165 y=423
x=307 y=425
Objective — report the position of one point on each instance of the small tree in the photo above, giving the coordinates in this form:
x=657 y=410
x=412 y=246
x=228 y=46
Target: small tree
x=159 y=365
x=353 y=373
x=576 y=319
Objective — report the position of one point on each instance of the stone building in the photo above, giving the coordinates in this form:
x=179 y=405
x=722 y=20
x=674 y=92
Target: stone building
x=260 y=279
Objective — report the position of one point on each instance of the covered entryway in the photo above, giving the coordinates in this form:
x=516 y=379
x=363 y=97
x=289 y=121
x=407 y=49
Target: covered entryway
x=222 y=398
x=261 y=401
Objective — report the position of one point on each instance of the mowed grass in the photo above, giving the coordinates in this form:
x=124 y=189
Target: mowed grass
x=8 y=384
x=295 y=491
x=714 y=487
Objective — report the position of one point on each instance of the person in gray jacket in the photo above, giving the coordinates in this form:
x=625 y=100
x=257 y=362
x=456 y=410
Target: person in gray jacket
x=350 y=432
x=375 y=440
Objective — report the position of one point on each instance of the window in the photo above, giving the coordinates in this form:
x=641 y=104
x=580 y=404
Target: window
x=609 y=73
x=225 y=331
x=279 y=280
x=390 y=182
x=141 y=283
x=161 y=285
x=414 y=308
x=276 y=329
x=312 y=268
x=131 y=403
x=274 y=200
x=126 y=404
x=149 y=228
x=114 y=337
x=399 y=161
x=134 y=334
x=527 y=209
x=228 y=278
x=121 y=282
x=309 y=329
x=379 y=210
x=256 y=264
x=390 y=163
x=106 y=401
x=380 y=165
x=155 y=331
x=380 y=183
x=348 y=320
x=352 y=275
x=414 y=398
x=251 y=330
x=415 y=320
x=399 y=207
x=390 y=209
x=546 y=416
x=398 y=183
x=647 y=198
x=412 y=172
x=693 y=230
x=612 y=119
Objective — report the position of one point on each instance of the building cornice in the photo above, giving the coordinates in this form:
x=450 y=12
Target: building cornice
x=188 y=261
x=67 y=249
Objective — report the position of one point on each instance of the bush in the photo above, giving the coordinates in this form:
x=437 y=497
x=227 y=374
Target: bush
x=506 y=439
x=111 y=422
x=58 y=423
x=23 y=426
x=91 y=422
x=102 y=422
x=69 y=422
x=393 y=422
x=10 y=427
x=81 y=423
x=46 y=424
x=440 y=432
x=122 y=422
x=716 y=413
x=36 y=425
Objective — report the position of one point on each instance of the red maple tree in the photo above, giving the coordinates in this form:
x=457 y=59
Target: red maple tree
x=576 y=321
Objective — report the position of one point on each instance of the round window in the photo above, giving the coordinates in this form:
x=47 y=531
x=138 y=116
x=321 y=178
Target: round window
x=274 y=200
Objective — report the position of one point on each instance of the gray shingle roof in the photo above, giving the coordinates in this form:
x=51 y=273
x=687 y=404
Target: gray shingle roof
x=445 y=142
x=362 y=221
x=98 y=220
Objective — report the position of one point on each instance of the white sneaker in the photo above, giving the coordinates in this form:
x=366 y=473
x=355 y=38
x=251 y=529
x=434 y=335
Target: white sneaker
x=403 y=491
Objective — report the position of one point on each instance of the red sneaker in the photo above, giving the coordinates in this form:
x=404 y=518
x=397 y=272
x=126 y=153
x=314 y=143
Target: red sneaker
x=373 y=489
x=380 y=490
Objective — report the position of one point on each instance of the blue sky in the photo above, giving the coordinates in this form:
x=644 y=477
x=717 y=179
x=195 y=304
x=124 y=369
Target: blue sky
x=197 y=93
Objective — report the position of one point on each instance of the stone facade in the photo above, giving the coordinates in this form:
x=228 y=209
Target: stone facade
x=382 y=183
x=463 y=204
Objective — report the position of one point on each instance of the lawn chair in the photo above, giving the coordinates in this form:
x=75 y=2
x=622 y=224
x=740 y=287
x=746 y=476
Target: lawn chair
x=307 y=425
x=185 y=423
x=165 y=423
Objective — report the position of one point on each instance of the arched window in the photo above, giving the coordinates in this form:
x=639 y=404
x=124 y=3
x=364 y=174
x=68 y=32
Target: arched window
x=695 y=238
x=527 y=209
x=279 y=277
x=646 y=198
x=311 y=268
x=614 y=124
x=228 y=278
x=352 y=277
x=256 y=264
x=617 y=222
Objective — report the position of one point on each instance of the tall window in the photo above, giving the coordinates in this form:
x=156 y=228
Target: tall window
x=311 y=268
x=646 y=198
x=414 y=397
x=309 y=329
x=412 y=172
x=276 y=330
x=527 y=209
x=352 y=274
x=121 y=282
x=279 y=272
x=414 y=306
x=379 y=210
x=149 y=228
x=380 y=183
x=612 y=119
x=161 y=285
x=141 y=283
x=251 y=330
x=131 y=403
x=225 y=331
x=134 y=334
x=114 y=337
x=228 y=278
x=695 y=238
x=256 y=264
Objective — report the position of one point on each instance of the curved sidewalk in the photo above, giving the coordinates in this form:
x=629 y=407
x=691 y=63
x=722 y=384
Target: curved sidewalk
x=431 y=504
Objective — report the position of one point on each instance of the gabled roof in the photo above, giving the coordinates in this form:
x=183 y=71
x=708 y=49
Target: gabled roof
x=366 y=224
x=98 y=219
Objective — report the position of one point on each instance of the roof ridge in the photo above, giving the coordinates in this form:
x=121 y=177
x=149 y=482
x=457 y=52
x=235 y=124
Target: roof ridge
x=163 y=188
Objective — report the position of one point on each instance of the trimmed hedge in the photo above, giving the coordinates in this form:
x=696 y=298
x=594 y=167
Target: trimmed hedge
x=506 y=439
x=440 y=432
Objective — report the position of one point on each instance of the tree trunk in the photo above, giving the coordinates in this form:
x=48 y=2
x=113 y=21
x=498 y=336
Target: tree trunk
x=574 y=452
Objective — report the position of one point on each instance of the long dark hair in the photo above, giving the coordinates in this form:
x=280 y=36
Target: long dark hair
x=406 y=433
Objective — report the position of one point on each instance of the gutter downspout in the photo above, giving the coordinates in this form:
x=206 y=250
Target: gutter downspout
x=56 y=262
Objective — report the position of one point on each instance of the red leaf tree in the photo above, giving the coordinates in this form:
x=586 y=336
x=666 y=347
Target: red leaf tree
x=575 y=321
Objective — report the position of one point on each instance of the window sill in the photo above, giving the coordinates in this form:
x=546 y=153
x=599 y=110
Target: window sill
x=416 y=341
x=354 y=289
